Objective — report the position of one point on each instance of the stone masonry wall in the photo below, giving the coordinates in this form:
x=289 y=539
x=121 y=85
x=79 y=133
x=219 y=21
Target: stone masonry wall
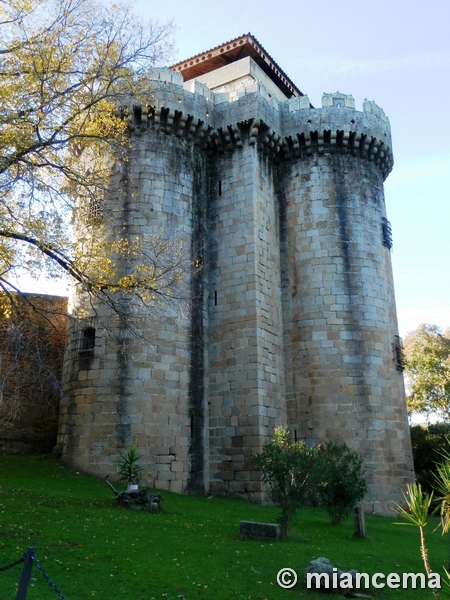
x=131 y=390
x=343 y=377
x=292 y=314
x=32 y=343
x=247 y=394
x=343 y=383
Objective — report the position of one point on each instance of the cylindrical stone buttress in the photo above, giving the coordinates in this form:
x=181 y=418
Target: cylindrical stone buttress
x=343 y=361
x=141 y=382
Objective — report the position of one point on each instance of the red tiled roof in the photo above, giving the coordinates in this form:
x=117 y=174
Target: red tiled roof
x=229 y=52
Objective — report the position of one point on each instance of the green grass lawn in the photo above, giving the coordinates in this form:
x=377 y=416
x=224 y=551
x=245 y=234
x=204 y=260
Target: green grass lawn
x=91 y=548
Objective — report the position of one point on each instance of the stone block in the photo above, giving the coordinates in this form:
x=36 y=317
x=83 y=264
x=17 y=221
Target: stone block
x=260 y=531
x=177 y=486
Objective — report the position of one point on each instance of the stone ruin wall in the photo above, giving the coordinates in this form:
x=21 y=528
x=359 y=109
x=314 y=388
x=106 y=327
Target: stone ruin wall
x=294 y=314
x=31 y=360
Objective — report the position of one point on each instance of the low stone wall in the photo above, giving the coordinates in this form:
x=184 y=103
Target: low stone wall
x=32 y=340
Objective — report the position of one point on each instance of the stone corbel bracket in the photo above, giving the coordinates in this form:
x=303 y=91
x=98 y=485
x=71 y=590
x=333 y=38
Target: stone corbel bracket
x=182 y=125
x=268 y=141
x=336 y=128
x=169 y=121
x=326 y=142
x=227 y=139
x=254 y=132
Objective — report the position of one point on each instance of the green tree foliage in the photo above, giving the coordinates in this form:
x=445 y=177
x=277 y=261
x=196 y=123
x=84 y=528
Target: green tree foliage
x=429 y=443
x=442 y=485
x=419 y=504
x=340 y=480
x=427 y=368
x=288 y=468
x=66 y=66
x=298 y=474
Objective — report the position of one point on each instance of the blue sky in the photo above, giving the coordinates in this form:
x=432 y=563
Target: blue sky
x=395 y=52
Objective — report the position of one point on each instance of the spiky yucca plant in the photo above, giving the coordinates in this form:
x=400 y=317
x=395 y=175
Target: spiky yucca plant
x=418 y=503
x=128 y=469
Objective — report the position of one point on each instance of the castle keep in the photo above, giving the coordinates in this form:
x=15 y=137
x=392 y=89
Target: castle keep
x=292 y=319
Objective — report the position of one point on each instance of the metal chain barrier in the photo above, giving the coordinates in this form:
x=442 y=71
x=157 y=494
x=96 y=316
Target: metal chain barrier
x=47 y=579
x=14 y=564
x=29 y=557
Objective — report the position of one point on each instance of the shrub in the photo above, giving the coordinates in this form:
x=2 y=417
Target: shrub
x=331 y=474
x=339 y=480
x=288 y=468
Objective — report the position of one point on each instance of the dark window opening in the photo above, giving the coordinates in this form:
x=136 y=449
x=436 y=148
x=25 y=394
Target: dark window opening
x=215 y=298
x=398 y=354
x=386 y=233
x=87 y=341
x=295 y=435
x=220 y=187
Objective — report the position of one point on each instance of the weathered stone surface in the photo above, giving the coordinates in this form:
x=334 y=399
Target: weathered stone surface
x=260 y=531
x=31 y=360
x=293 y=319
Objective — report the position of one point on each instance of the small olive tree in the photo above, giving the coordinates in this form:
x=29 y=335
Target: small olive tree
x=287 y=467
x=339 y=479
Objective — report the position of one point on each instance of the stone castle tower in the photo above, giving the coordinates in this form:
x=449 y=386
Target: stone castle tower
x=293 y=317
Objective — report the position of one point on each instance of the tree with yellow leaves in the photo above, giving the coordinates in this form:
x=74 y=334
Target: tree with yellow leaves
x=427 y=368
x=66 y=66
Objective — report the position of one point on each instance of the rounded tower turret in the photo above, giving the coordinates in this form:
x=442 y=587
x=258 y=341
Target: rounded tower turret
x=134 y=366
x=343 y=354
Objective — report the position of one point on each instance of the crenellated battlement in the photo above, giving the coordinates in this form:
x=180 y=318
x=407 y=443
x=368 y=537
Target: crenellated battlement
x=337 y=128
x=247 y=112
